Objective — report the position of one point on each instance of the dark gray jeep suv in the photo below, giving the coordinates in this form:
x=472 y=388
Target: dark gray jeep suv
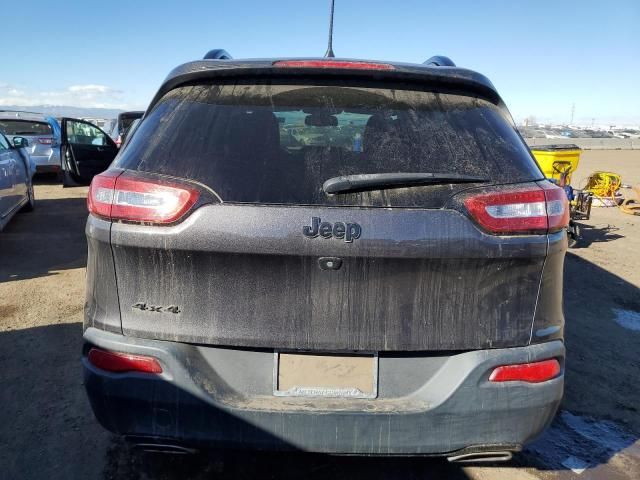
x=326 y=255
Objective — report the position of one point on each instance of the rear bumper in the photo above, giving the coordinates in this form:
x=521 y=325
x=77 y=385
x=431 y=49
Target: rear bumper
x=427 y=405
x=46 y=163
x=47 y=168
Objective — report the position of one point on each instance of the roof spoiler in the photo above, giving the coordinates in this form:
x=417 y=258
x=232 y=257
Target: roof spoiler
x=439 y=61
x=217 y=54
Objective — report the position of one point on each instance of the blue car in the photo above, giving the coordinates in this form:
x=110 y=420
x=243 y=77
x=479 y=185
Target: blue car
x=42 y=133
x=16 y=178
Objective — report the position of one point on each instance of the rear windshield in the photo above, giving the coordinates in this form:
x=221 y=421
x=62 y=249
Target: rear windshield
x=25 y=127
x=277 y=143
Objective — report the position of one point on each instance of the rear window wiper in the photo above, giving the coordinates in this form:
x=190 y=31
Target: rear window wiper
x=381 y=181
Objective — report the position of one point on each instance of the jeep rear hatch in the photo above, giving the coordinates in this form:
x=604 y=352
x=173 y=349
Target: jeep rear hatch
x=423 y=273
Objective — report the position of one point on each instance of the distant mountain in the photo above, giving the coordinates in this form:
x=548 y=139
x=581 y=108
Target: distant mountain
x=61 y=111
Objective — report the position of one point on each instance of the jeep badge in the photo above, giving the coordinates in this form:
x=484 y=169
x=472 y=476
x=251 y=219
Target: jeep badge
x=347 y=231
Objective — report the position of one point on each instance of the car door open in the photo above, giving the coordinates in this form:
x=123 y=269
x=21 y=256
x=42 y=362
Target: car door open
x=86 y=150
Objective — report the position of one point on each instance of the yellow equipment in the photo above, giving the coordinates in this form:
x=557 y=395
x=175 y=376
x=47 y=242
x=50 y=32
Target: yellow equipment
x=557 y=160
x=604 y=185
x=632 y=205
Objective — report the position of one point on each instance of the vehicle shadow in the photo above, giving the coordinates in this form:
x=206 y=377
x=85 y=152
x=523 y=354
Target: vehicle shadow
x=47 y=429
x=240 y=465
x=36 y=244
x=599 y=416
x=46 y=179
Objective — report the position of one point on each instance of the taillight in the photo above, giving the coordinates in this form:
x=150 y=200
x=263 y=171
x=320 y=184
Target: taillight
x=123 y=362
x=557 y=206
x=119 y=141
x=333 y=64
x=100 y=194
x=45 y=141
x=535 y=372
x=132 y=198
x=537 y=209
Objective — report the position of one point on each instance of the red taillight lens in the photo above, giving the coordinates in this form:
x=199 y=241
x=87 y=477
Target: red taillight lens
x=45 y=141
x=538 y=209
x=557 y=206
x=119 y=141
x=527 y=372
x=131 y=198
x=123 y=362
x=100 y=194
x=333 y=64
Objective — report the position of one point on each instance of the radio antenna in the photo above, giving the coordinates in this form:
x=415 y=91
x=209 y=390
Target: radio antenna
x=330 y=53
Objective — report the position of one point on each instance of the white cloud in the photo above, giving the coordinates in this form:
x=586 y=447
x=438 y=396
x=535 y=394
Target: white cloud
x=92 y=89
x=90 y=95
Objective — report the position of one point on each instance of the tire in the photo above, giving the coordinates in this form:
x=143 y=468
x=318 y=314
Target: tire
x=573 y=234
x=31 y=203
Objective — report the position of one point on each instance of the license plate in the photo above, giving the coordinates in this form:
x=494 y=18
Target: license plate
x=325 y=375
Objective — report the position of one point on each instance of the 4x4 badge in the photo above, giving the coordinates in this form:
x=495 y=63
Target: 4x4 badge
x=347 y=231
x=145 y=307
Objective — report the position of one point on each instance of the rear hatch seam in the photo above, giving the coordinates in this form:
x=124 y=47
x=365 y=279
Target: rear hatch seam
x=535 y=308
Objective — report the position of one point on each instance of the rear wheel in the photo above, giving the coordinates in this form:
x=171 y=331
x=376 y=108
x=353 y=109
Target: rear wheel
x=31 y=203
x=573 y=234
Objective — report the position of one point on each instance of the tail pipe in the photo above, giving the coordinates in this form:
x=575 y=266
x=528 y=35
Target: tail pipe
x=158 y=445
x=484 y=454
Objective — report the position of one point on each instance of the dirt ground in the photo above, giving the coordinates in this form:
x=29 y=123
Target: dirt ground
x=47 y=429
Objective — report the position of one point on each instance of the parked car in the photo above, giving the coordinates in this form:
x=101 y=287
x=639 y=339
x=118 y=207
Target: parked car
x=42 y=133
x=86 y=151
x=122 y=124
x=16 y=175
x=385 y=280
x=132 y=128
x=109 y=126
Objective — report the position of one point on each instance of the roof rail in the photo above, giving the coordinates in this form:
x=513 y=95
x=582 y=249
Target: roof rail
x=440 y=61
x=217 y=54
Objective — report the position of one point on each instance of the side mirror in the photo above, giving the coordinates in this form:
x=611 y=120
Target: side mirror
x=20 y=142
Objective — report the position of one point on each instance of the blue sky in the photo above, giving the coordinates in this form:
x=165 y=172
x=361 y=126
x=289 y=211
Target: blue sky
x=543 y=56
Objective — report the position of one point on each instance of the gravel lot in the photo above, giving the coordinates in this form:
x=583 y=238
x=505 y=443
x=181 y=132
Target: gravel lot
x=47 y=429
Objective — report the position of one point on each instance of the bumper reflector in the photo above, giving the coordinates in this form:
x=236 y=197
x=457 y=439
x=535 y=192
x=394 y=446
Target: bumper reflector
x=123 y=362
x=527 y=372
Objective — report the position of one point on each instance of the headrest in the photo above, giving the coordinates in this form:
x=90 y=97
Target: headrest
x=251 y=131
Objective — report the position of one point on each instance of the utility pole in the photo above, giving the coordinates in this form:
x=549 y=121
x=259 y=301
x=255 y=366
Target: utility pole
x=573 y=112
